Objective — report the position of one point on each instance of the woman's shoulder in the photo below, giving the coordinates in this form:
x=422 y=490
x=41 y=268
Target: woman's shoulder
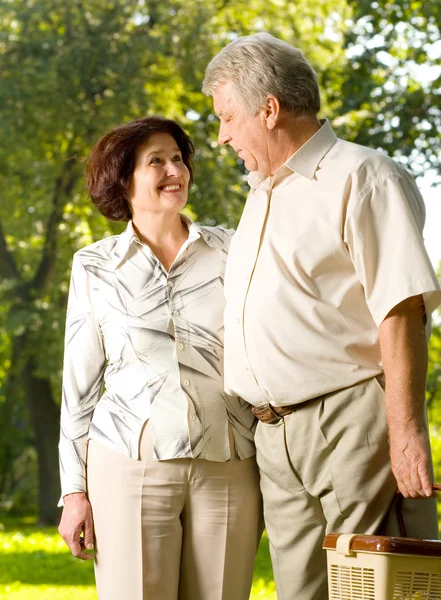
x=222 y=235
x=100 y=250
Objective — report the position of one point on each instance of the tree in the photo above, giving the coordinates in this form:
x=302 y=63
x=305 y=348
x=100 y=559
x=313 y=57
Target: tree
x=391 y=92
x=70 y=71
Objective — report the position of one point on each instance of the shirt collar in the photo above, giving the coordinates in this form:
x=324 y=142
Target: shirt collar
x=308 y=157
x=255 y=179
x=127 y=237
x=209 y=237
x=122 y=246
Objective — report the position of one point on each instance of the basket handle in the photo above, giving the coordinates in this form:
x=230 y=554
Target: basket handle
x=398 y=501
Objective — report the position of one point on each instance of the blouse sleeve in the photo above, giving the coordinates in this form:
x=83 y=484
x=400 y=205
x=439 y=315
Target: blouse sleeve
x=83 y=374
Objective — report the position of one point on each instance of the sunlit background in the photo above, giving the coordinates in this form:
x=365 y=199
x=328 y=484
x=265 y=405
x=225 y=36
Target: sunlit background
x=70 y=71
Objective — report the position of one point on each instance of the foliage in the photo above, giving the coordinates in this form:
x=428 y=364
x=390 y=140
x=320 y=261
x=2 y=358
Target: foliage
x=70 y=71
x=433 y=389
x=36 y=565
x=392 y=89
x=433 y=395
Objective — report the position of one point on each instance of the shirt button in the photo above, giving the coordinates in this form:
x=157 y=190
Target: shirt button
x=193 y=417
x=170 y=284
x=180 y=346
x=175 y=313
x=238 y=321
x=186 y=382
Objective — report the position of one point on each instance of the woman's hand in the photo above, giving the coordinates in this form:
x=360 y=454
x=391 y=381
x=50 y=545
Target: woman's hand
x=77 y=520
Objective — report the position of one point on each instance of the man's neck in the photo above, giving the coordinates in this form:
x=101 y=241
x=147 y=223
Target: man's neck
x=289 y=137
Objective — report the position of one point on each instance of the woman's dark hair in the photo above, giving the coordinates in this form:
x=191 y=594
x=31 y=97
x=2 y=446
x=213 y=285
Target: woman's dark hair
x=112 y=161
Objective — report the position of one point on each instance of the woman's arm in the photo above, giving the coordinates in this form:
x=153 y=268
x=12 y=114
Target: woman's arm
x=75 y=521
x=83 y=372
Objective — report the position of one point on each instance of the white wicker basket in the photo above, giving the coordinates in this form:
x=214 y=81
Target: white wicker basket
x=363 y=567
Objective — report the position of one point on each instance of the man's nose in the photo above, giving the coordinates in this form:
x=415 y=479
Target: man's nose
x=223 y=135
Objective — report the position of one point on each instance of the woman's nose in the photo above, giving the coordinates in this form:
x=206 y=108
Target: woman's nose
x=173 y=168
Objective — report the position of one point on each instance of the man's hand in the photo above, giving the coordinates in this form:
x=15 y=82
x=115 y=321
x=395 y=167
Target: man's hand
x=410 y=465
x=76 y=521
x=404 y=352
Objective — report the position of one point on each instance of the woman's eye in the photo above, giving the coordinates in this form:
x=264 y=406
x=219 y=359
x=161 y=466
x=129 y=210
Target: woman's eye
x=155 y=161
x=177 y=158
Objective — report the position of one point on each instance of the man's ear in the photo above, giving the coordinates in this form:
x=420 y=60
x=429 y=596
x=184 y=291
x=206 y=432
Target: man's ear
x=272 y=111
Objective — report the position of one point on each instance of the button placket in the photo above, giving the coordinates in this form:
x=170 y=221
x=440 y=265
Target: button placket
x=175 y=312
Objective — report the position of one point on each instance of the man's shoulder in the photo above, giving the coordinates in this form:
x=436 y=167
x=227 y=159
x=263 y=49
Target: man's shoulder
x=355 y=159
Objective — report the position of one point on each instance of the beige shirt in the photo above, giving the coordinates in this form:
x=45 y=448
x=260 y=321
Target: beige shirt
x=323 y=252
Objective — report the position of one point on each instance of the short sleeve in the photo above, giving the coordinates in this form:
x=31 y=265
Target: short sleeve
x=383 y=232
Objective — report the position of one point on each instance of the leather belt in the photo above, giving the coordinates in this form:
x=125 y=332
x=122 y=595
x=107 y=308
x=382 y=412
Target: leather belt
x=273 y=414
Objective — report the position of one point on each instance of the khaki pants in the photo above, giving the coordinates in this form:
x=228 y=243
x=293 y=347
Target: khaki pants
x=184 y=529
x=326 y=468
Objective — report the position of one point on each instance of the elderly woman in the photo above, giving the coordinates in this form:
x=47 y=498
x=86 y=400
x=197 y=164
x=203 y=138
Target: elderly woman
x=157 y=462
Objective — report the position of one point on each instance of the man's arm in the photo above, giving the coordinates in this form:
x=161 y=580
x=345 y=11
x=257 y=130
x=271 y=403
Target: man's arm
x=404 y=353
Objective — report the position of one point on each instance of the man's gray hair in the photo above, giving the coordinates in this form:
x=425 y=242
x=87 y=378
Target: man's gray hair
x=260 y=65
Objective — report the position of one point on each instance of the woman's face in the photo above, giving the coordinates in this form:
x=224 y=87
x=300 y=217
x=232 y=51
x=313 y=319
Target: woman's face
x=160 y=179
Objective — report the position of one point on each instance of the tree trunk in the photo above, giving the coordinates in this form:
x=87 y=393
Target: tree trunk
x=45 y=420
x=13 y=420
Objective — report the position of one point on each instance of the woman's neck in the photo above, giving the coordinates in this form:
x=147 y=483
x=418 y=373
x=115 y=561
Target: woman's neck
x=163 y=234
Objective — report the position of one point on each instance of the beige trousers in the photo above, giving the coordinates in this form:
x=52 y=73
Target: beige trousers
x=184 y=529
x=326 y=468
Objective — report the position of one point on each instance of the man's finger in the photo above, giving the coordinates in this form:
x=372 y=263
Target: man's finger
x=426 y=480
x=401 y=483
x=402 y=487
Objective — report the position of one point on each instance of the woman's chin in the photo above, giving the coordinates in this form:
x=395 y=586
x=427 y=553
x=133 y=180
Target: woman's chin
x=174 y=199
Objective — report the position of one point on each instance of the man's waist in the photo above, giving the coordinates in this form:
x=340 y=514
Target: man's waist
x=270 y=414
x=273 y=414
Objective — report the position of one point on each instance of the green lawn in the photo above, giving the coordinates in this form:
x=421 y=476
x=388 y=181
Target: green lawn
x=36 y=565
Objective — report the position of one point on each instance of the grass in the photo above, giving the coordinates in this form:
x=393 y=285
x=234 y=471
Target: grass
x=36 y=565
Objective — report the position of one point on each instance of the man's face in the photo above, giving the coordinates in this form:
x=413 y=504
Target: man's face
x=246 y=135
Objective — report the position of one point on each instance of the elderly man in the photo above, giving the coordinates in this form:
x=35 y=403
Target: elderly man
x=328 y=290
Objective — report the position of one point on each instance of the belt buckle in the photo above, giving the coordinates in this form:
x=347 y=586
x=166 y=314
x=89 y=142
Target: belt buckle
x=266 y=414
